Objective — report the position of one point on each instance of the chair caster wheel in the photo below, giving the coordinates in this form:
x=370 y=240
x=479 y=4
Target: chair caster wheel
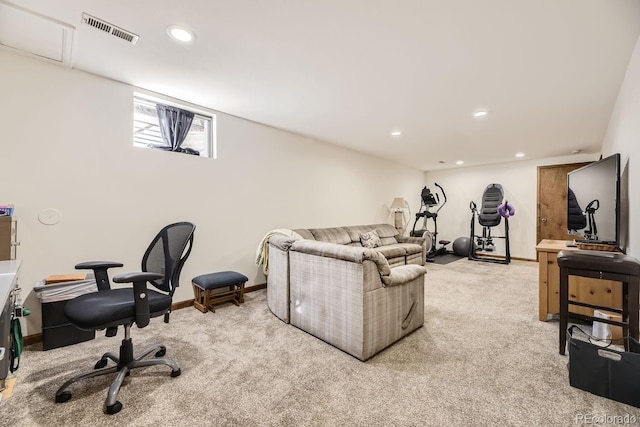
x=63 y=397
x=113 y=409
x=176 y=373
x=100 y=364
x=161 y=352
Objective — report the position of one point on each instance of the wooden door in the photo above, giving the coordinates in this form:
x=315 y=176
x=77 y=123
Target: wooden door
x=552 y=202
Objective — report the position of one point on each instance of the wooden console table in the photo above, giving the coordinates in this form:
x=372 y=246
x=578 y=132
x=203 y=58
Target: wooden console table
x=593 y=291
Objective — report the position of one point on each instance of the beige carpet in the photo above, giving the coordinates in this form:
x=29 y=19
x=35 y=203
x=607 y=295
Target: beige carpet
x=481 y=358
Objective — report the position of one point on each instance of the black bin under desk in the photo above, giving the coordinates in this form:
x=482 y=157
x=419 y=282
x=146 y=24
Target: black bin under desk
x=57 y=331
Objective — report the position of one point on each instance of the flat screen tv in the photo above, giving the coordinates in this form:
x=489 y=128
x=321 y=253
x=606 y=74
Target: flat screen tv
x=593 y=202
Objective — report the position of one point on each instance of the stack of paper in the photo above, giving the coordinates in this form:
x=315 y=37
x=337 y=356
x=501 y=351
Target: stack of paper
x=64 y=287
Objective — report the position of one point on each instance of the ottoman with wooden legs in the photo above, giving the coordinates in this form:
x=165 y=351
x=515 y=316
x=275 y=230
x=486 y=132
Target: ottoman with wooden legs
x=209 y=289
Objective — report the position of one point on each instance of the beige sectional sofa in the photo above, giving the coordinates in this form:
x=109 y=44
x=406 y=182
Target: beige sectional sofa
x=356 y=298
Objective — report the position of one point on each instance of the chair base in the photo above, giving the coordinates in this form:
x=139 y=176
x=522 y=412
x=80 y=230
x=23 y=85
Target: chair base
x=124 y=364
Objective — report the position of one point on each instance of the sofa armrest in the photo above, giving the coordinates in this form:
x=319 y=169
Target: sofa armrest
x=277 y=275
x=411 y=239
x=343 y=252
x=281 y=242
x=403 y=274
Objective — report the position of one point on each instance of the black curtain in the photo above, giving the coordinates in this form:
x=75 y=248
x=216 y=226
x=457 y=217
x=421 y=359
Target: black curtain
x=174 y=126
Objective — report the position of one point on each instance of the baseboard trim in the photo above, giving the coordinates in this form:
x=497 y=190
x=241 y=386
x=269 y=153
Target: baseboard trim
x=181 y=304
x=517 y=258
x=32 y=339
x=255 y=287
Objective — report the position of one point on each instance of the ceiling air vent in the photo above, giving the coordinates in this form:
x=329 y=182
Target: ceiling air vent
x=101 y=25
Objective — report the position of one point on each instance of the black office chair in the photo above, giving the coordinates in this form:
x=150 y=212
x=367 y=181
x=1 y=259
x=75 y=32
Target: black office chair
x=109 y=308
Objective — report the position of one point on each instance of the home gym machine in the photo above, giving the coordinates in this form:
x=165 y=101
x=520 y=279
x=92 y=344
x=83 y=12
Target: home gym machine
x=591 y=233
x=429 y=200
x=492 y=211
x=578 y=220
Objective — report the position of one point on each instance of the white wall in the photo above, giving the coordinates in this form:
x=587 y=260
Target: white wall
x=519 y=182
x=66 y=144
x=623 y=136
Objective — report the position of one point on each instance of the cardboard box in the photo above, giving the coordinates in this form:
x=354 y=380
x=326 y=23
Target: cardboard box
x=57 y=278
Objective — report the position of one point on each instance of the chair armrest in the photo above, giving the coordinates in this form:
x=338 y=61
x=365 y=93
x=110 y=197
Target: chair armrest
x=99 y=271
x=139 y=281
x=90 y=265
x=142 y=276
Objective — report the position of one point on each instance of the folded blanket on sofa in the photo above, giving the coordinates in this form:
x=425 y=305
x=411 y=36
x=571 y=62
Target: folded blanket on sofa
x=262 y=252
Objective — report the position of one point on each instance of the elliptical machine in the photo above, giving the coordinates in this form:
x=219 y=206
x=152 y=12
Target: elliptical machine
x=429 y=200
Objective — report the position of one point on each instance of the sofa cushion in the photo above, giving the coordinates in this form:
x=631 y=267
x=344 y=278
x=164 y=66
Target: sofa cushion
x=306 y=234
x=397 y=261
x=410 y=248
x=370 y=239
x=387 y=233
x=415 y=259
x=336 y=235
x=392 y=251
x=355 y=231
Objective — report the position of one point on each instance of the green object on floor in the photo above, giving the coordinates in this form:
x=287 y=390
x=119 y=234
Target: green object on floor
x=17 y=344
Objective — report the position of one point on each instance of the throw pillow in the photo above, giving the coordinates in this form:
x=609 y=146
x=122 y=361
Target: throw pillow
x=370 y=240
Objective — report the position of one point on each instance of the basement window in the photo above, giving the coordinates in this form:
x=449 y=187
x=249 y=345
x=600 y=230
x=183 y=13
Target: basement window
x=200 y=138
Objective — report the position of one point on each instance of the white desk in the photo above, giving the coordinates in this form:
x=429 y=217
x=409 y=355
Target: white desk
x=8 y=277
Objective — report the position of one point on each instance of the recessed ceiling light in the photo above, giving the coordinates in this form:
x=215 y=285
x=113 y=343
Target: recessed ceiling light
x=460 y=162
x=181 y=34
x=480 y=113
x=396 y=133
x=519 y=154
